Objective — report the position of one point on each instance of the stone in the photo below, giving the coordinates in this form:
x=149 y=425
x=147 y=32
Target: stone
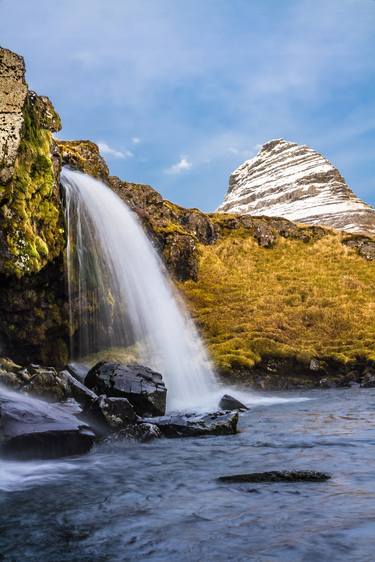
x=113 y=413
x=83 y=395
x=143 y=432
x=277 y=476
x=33 y=429
x=229 y=403
x=286 y=179
x=194 y=425
x=45 y=382
x=13 y=90
x=143 y=387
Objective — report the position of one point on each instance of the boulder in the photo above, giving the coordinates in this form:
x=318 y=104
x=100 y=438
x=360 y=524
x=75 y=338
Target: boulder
x=229 y=403
x=194 y=425
x=33 y=429
x=84 y=396
x=277 y=476
x=143 y=387
x=138 y=432
x=111 y=413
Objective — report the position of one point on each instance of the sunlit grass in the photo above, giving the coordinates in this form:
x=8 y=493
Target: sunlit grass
x=297 y=299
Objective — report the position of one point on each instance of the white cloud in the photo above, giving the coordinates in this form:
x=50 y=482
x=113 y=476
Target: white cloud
x=136 y=140
x=109 y=151
x=183 y=165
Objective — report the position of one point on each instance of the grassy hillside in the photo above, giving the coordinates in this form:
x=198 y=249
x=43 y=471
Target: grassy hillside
x=296 y=299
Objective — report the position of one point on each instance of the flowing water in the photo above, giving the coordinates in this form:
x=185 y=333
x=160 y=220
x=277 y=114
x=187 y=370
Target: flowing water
x=123 y=293
x=161 y=502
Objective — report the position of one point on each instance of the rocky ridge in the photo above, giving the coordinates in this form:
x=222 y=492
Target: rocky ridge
x=293 y=181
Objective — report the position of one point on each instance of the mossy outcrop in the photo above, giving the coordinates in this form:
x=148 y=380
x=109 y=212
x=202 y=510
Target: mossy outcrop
x=31 y=226
x=83 y=155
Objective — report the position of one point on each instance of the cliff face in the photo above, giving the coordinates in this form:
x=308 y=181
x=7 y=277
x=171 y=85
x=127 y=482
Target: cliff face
x=293 y=181
x=33 y=315
x=31 y=232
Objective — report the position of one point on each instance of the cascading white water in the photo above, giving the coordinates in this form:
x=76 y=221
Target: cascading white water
x=123 y=293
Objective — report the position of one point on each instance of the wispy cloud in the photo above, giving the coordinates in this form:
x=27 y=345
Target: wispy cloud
x=296 y=69
x=183 y=165
x=109 y=151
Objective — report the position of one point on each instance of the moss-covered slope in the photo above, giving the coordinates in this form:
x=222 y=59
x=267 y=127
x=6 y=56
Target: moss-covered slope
x=301 y=300
x=30 y=210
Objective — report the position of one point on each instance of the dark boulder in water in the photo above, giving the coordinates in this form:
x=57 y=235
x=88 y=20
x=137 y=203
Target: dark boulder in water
x=277 y=476
x=33 y=429
x=193 y=425
x=111 y=413
x=229 y=403
x=138 y=432
x=143 y=387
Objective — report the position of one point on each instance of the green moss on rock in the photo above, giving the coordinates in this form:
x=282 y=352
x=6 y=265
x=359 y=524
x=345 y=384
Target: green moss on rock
x=84 y=156
x=30 y=210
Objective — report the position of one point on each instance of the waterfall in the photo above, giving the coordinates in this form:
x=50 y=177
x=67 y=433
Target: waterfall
x=120 y=294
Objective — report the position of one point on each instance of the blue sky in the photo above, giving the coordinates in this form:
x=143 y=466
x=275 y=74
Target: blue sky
x=179 y=93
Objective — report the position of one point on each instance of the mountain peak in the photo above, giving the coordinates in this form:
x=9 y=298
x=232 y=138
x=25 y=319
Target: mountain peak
x=291 y=180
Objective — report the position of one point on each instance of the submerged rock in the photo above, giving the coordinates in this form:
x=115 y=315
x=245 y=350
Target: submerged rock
x=112 y=413
x=229 y=403
x=193 y=425
x=277 y=476
x=143 y=387
x=33 y=429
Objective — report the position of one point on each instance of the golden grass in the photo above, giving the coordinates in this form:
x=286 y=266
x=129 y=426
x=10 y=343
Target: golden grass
x=297 y=299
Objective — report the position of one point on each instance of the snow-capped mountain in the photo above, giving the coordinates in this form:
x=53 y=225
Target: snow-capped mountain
x=289 y=180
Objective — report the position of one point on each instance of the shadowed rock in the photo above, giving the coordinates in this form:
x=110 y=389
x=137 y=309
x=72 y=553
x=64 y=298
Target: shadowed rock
x=193 y=425
x=229 y=403
x=84 y=396
x=137 y=432
x=143 y=387
x=33 y=429
x=111 y=413
x=277 y=476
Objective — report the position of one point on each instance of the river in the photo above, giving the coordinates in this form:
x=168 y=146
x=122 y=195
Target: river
x=161 y=501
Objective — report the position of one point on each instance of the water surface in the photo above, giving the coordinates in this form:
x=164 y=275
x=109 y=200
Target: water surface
x=161 y=501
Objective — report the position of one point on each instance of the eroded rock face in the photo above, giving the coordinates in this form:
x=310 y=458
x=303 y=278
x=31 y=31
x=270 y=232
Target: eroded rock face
x=289 y=180
x=13 y=90
x=32 y=429
x=143 y=387
x=31 y=226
